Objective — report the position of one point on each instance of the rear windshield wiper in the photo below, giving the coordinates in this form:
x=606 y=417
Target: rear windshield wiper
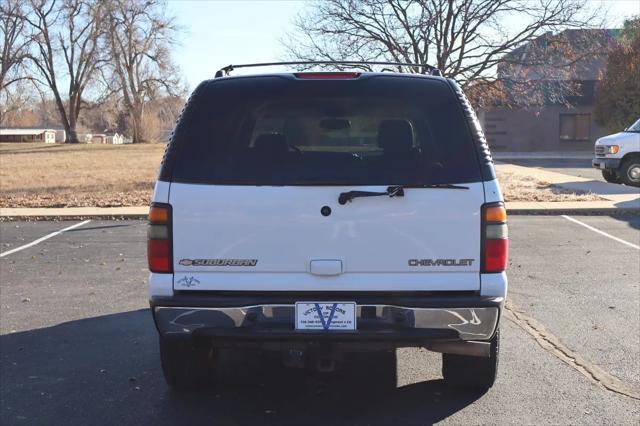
x=392 y=191
x=437 y=185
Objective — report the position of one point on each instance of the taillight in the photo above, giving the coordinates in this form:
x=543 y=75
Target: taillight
x=495 y=238
x=159 y=238
x=327 y=75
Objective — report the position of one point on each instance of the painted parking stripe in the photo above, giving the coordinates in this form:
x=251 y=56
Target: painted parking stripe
x=46 y=237
x=627 y=243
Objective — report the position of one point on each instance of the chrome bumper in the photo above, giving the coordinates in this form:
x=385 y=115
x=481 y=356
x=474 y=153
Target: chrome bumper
x=603 y=163
x=459 y=323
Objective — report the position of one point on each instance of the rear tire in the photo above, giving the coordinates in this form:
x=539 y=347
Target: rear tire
x=611 y=176
x=630 y=171
x=463 y=371
x=186 y=365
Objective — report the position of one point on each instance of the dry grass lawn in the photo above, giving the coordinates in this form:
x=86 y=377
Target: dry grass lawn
x=39 y=175
x=517 y=187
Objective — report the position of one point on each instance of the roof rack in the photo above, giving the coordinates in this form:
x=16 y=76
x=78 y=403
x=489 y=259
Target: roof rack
x=226 y=70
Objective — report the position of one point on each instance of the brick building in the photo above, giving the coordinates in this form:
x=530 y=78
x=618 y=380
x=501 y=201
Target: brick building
x=550 y=84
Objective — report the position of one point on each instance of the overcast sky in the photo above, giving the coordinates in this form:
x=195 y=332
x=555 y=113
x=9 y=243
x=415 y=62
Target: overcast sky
x=221 y=32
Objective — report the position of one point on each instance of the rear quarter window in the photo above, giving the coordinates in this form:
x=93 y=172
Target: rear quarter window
x=278 y=130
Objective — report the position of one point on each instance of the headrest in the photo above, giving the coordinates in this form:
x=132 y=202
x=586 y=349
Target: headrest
x=395 y=136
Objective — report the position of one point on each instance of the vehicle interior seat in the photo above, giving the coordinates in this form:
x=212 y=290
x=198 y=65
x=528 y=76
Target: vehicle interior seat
x=400 y=159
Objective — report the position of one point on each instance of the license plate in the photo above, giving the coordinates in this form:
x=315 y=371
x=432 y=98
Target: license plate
x=602 y=165
x=325 y=316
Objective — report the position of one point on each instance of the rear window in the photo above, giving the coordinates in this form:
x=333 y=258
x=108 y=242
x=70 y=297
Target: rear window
x=375 y=130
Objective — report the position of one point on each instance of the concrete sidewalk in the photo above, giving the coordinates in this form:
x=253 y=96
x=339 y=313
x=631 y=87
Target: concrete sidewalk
x=542 y=155
x=73 y=213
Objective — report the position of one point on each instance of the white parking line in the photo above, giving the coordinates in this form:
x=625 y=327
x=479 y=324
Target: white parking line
x=46 y=237
x=637 y=247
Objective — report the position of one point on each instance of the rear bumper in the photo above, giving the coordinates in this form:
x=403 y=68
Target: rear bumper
x=398 y=320
x=606 y=163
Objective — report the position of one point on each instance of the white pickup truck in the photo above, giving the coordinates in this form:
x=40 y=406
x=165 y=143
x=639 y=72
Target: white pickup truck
x=618 y=156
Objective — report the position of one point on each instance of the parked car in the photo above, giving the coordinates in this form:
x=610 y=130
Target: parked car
x=618 y=156
x=277 y=224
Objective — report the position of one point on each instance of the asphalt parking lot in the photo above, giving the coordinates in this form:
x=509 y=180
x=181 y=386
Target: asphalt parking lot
x=78 y=346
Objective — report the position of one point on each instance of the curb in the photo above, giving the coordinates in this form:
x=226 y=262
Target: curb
x=73 y=213
x=587 y=211
x=516 y=211
x=59 y=218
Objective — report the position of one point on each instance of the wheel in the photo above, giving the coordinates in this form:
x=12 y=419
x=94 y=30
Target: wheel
x=611 y=176
x=186 y=365
x=630 y=171
x=471 y=371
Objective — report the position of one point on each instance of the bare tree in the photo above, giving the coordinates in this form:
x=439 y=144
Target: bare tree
x=139 y=37
x=66 y=37
x=465 y=39
x=15 y=106
x=14 y=48
x=13 y=51
x=618 y=91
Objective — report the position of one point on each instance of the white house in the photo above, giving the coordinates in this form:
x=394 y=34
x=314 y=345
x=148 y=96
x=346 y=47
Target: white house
x=103 y=138
x=114 y=139
x=28 y=135
x=61 y=136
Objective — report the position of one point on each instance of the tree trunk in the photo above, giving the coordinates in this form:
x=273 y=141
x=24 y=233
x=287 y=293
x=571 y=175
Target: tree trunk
x=72 y=136
x=136 y=123
x=70 y=130
x=74 y=112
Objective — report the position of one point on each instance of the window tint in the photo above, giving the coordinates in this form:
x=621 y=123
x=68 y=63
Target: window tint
x=376 y=130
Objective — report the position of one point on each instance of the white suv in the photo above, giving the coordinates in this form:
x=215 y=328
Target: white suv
x=319 y=213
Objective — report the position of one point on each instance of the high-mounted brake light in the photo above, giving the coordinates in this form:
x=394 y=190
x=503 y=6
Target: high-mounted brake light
x=327 y=75
x=495 y=238
x=159 y=238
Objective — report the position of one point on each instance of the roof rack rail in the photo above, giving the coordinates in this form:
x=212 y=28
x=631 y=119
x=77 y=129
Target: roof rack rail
x=226 y=70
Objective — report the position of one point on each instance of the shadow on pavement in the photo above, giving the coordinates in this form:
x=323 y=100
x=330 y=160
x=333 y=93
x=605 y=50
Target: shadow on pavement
x=633 y=204
x=633 y=220
x=106 y=370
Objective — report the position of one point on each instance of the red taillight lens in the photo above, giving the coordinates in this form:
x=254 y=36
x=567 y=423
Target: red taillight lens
x=496 y=253
x=494 y=238
x=327 y=75
x=159 y=255
x=159 y=238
